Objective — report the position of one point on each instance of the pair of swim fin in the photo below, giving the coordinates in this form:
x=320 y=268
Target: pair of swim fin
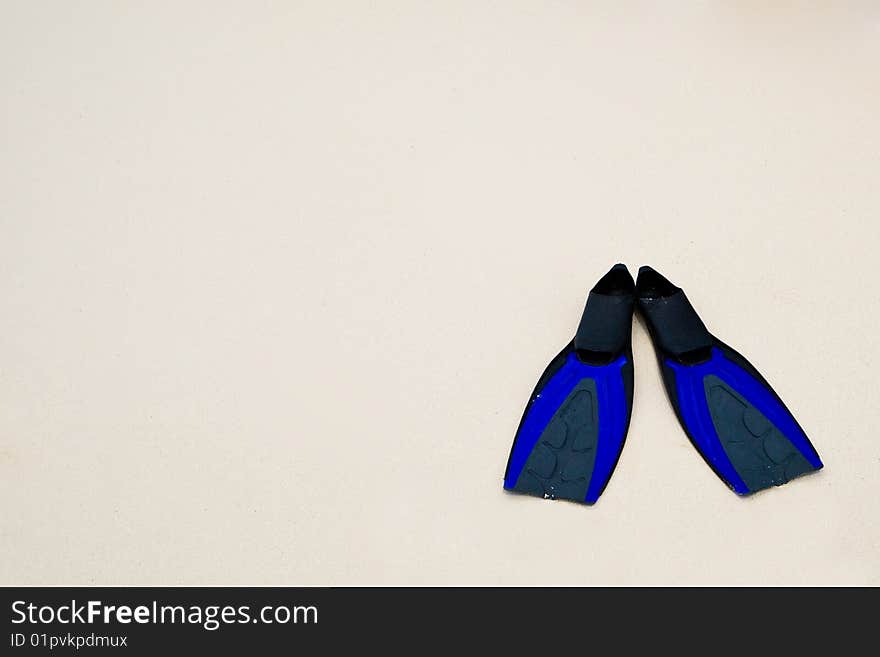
x=575 y=423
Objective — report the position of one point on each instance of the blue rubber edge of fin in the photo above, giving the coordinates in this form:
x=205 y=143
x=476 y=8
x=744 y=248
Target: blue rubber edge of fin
x=612 y=420
x=694 y=410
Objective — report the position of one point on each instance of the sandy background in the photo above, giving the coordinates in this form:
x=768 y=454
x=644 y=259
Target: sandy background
x=276 y=280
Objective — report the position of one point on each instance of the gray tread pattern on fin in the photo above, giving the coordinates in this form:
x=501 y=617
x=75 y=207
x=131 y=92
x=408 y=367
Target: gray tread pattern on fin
x=561 y=463
x=760 y=453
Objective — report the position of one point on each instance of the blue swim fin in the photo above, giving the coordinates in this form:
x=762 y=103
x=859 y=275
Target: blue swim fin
x=574 y=425
x=728 y=410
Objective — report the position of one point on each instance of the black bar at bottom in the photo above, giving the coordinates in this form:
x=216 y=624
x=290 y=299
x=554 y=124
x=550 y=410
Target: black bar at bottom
x=67 y=620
